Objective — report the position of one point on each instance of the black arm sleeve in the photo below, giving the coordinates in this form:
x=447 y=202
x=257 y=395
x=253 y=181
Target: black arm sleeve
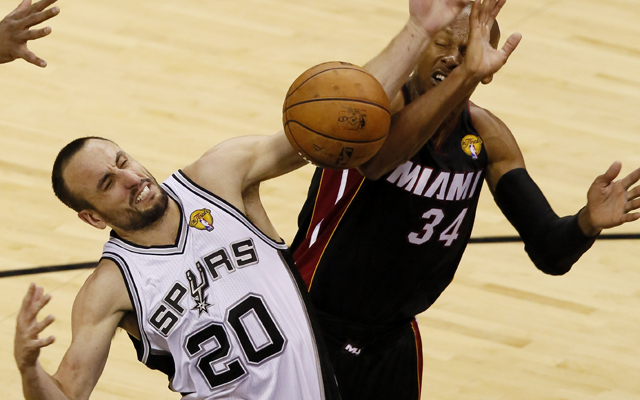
x=554 y=244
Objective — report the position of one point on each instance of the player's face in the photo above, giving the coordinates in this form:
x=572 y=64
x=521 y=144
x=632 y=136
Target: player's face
x=123 y=193
x=443 y=54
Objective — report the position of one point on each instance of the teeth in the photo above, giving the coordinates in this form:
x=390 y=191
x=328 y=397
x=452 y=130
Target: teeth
x=144 y=193
x=440 y=77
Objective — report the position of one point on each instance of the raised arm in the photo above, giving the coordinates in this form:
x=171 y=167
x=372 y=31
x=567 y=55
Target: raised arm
x=15 y=32
x=97 y=311
x=416 y=123
x=426 y=17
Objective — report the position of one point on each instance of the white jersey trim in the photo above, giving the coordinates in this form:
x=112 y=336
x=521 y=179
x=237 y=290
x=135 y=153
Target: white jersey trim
x=223 y=205
x=135 y=300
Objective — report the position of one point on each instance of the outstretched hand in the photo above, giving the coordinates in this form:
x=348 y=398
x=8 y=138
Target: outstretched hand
x=15 y=32
x=27 y=343
x=609 y=202
x=481 y=59
x=433 y=15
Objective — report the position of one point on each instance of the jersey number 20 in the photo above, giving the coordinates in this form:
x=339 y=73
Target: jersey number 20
x=255 y=349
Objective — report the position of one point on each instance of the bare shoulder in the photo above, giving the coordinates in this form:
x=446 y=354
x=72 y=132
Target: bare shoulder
x=103 y=294
x=501 y=146
x=486 y=123
x=494 y=133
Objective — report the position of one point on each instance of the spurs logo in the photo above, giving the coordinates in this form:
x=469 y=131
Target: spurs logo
x=198 y=290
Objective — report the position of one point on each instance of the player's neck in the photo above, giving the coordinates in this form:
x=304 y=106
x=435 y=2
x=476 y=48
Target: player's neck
x=449 y=123
x=163 y=232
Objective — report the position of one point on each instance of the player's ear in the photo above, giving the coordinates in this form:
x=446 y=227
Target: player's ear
x=92 y=218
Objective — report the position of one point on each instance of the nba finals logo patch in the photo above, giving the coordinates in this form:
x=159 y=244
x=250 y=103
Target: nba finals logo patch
x=201 y=219
x=472 y=146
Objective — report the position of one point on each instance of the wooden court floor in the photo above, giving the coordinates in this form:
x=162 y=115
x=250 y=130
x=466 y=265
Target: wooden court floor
x=167 y=79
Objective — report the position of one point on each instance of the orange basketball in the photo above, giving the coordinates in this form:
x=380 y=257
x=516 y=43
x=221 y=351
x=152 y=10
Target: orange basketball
x=336 y=115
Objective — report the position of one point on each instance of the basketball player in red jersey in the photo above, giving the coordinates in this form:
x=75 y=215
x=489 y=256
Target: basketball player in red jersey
x=184 y=288
x=379 y=244
x=15 y=32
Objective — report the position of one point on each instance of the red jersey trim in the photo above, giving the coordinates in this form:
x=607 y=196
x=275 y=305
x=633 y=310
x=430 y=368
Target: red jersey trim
x=331 y=203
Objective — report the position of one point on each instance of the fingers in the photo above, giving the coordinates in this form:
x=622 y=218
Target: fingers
x=496 y=9
x=631 y=217
x=31 y=58
x=475 y=10
x=33 y=302
x=44 y=342
x=41 y=5
x=510 y=45
x=489 y=10
x=40 y=17
x=42 y=325
x=633 y=193
x=631 y=205
x=26 y=301
x=26 y=10
x=610 y=175
x=24 y=4
x=35 y=34
x=630 y=179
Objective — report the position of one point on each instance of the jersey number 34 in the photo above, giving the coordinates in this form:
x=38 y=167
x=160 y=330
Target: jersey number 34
x=434 y=217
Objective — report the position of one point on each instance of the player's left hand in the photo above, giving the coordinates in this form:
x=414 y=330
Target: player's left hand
x=433 y=15
x=610 y=203
x=15 y=32
x=481 y=59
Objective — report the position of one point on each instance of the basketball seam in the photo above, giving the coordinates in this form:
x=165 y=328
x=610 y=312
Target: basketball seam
x=337 y=98
x=331 y=137
x=322 y=72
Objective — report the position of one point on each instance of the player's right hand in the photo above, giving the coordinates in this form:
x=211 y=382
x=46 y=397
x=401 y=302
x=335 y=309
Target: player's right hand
x=433 y=15
x=27 y=344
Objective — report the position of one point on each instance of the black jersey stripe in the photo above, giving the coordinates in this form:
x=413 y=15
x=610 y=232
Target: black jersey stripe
x=229 y=208
x=129 y=282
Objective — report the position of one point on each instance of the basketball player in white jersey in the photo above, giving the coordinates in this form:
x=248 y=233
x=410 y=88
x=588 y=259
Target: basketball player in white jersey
x=194 y=271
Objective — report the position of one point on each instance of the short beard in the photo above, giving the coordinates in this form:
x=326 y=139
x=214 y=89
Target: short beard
x=134 y=220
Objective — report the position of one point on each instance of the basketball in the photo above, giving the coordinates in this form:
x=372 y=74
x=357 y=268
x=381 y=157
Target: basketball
x=336 y=115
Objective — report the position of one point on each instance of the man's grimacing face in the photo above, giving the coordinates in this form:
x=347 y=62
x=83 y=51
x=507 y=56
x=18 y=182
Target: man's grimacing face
x=123 y=193
x=446 y=51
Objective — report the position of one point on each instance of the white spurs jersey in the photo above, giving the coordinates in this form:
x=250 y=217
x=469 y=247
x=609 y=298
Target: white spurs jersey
x=221 y=305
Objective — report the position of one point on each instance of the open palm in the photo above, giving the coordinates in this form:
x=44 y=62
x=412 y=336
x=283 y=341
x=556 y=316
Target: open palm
x=481 y=59
x=609 y=202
